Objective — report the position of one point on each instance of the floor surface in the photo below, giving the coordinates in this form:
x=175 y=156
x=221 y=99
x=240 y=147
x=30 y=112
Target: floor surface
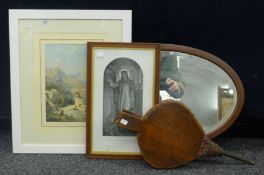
x=27 y=164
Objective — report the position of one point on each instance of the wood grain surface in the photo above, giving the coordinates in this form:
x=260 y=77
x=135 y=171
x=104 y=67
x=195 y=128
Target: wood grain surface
x=168 y=134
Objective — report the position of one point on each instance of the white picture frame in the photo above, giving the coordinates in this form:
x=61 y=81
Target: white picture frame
x=23 y=70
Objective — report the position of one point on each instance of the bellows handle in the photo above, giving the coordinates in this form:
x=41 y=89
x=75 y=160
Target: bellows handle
x=128 y=120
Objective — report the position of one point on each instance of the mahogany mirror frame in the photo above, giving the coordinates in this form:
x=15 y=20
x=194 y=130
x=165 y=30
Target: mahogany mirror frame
x=225 y=67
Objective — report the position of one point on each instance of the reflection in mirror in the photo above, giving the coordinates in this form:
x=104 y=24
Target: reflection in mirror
x=200 y=84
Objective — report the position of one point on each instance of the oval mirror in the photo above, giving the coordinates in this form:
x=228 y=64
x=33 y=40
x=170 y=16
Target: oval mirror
x=205 y=83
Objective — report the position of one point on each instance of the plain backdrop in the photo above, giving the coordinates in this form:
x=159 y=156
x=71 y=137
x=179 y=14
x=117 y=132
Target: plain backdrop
x=231 y=30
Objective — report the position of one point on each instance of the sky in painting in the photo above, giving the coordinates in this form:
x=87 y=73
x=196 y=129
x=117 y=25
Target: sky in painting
x=70 y=58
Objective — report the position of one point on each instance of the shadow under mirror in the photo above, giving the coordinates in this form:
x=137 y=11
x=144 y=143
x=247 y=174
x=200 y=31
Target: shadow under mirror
x=202 y=86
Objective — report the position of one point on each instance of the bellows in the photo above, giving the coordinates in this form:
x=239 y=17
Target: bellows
x=169 y=135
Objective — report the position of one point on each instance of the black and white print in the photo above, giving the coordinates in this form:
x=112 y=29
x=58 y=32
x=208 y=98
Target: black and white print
x=123 y=89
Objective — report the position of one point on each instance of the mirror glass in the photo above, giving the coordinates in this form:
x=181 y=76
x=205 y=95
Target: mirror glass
x=200 y=84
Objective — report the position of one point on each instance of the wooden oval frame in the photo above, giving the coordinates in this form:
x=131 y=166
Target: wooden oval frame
x=232 y=74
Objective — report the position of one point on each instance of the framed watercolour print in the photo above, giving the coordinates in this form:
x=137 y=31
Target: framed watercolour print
x=121 y=76
x=48 y=74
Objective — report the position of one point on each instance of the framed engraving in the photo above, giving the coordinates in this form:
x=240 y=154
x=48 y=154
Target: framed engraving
x=48 y=74
x=121 y=76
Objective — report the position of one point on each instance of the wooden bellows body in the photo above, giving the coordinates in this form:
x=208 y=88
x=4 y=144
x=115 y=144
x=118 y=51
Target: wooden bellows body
x=168 y=135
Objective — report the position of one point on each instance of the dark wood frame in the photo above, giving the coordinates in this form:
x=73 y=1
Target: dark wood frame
x=90 y=46
x=232 y=74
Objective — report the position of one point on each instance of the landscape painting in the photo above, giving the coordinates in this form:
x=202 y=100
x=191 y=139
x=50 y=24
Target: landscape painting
x=65 y=82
